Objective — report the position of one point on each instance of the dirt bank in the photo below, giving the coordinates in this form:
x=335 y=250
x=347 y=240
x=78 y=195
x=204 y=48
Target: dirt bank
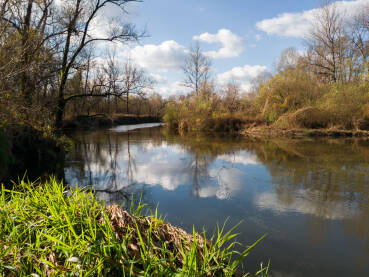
x=272 y=131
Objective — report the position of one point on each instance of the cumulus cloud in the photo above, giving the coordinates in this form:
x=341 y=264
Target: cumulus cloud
x=243 y=75
x=168 y=55
x=232 y=45
x=298 y=24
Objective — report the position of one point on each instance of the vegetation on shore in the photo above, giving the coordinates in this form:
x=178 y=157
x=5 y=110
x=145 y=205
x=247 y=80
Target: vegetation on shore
x=324 y=87
x=51 y=70
x=83 y=122
x=48 y=230
x=23 y=147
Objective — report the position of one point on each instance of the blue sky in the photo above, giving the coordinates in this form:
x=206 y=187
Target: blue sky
x=242 y=37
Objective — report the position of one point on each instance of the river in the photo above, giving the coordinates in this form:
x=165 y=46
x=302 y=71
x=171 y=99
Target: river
x=310 y=196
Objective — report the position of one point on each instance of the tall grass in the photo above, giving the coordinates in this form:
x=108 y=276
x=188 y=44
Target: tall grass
x=48 y=230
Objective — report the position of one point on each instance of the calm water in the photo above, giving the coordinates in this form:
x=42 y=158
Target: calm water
x=310 y=196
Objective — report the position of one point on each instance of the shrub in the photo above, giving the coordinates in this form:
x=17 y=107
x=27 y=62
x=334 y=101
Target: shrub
x=287 y=92
x=171 y=116
x=346 y=105
x=308 y=117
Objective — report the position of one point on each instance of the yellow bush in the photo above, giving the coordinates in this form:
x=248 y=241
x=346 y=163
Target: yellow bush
x=308 y=117
x=347 y=105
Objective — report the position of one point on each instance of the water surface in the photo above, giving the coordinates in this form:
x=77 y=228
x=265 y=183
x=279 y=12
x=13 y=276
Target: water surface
x=310 y=196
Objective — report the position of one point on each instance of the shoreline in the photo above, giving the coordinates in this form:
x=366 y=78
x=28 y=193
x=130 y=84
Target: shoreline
x=273 y=132
x=70 y=231
x=103 y=121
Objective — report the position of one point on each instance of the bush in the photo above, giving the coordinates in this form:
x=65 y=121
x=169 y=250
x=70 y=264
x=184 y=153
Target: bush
x=171 y=116
x=287 y=92
x=347 y=105
x=308 y=117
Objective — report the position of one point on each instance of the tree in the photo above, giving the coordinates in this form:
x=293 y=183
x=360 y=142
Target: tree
x=337 y=47
x=27 y=48
x=327 y=42
x=231 y=96
x=135 y=81
x=196 y=69
x=156 y=105
x=32 y=22
x=359 y=37
x=76 y=20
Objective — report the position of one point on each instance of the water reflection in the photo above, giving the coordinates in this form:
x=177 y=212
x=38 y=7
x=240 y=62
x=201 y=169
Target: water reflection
x=310 y=196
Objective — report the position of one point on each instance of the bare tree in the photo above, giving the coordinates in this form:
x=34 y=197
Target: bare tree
x=135 y=81
x=196 y=69
x=27 y=24
x=326 y=43
x=77 y=17
x=231 y=96
x=359 y=37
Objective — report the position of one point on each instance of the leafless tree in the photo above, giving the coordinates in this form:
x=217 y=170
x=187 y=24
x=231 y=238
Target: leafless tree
x=326 y=42
x=76 y=20
x=231 y=96
x=135 y=81
x=196 y=69
x=359 y=37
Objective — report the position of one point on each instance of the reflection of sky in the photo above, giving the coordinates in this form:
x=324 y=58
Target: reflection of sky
x=236 y=185
x=164 y=165
x=305 y=202
x=125 y=128
x=240 y=157
x=167 y=166
x=151 y=164
x=170 y=166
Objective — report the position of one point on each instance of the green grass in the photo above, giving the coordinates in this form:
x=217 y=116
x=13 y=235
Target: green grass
x=48 y=230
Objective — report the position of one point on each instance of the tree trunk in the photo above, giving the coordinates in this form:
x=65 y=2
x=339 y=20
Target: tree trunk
x=127 y=102
x=60 y=109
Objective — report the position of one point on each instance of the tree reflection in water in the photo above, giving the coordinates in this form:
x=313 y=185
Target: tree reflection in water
x=326 y=180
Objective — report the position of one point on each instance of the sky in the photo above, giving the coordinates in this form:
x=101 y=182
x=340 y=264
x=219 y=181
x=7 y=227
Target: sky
x=243 y=38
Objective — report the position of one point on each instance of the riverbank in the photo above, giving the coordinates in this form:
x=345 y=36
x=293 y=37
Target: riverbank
x=24 y=148
x=274 y=132
x=70 y=232
x=84 y=122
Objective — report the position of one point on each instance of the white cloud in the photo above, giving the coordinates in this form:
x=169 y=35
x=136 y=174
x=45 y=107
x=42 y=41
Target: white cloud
x=168 y=55
x=175 y=88
x=232 y=45
x=298 y=24
x=159 y=78
x=243 y=75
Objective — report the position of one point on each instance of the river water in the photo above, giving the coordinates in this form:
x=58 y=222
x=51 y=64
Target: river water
x=310 y=196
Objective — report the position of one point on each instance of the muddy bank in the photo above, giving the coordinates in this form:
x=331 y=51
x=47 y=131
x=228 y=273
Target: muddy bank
x=271 y=131
x=84 y=122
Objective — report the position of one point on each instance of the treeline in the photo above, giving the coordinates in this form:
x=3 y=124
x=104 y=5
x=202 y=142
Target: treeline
x=49 y=63
x=327 y=86
x=55 y=63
